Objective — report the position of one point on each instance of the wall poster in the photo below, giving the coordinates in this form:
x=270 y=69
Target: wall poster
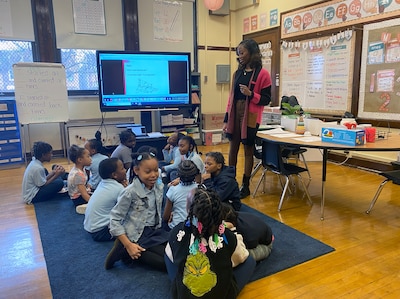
x=380 y=72
x=319 y=72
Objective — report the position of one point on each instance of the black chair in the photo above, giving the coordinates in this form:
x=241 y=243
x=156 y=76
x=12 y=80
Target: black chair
x=393 y=176
x=297 y=153
x=272 y=160
x=258 y=155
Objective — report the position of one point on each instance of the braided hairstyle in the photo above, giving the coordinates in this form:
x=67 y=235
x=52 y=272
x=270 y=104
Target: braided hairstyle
x=192 y=143
x=96 y=143
x=206 y=207
x=187 y=172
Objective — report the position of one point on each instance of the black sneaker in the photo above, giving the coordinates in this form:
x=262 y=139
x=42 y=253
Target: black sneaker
x=116 y=254
x=244 y=192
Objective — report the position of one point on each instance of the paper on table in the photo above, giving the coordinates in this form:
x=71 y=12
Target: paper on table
x=309 y=138
x=274 y=131
x=286 y=135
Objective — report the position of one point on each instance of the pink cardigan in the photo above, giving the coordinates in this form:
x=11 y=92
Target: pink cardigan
x=261 y=87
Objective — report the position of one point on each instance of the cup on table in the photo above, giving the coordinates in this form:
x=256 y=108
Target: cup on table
x=370 y=134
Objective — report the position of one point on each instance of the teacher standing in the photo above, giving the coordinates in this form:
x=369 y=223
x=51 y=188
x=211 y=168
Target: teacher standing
x=250 y=92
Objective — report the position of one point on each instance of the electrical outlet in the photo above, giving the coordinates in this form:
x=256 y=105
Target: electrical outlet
x=348 y=154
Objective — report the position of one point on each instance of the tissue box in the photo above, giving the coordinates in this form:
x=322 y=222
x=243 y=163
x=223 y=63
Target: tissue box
x=343 y=136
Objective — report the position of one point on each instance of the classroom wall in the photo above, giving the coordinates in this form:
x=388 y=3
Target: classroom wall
x=213 y=31
x=227 y=32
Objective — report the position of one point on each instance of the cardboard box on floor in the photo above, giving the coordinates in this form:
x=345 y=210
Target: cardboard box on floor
x=213 y=121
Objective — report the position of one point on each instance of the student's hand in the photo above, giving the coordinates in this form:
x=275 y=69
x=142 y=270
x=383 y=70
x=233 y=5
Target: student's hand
x=134 y=250
x=224 y=127
x=174 y=182
x=125 y=183
x=205 y=176
x=167 y=147
x=58 y=170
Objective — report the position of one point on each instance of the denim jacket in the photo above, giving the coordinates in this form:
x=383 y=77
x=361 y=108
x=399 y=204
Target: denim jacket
x=128 y=215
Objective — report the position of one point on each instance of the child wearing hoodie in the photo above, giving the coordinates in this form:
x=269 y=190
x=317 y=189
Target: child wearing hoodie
x=222 y=179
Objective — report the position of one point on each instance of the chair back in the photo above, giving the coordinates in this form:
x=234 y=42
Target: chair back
x=272 y=156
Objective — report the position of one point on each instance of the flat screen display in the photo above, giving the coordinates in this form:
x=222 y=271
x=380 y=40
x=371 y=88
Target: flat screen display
x=143 y=80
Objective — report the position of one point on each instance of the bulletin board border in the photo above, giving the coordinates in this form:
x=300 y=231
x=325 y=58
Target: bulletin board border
x=345 y=13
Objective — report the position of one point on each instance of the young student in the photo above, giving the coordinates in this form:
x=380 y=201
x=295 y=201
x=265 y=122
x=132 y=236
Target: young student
x=257 y=235
x=104 y=198
x=136 y=218
x=175 y=206
x=188 y=151
x=94 y=146
x=222 y=179
x=124 y=149
x=38 y=184
x=77 y=177
x=200 y=252
x=141 y=150
x=171 y=154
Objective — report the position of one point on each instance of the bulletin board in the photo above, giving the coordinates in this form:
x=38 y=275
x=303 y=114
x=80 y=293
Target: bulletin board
x=319 y=72
x=380 y=71
x=40 y=92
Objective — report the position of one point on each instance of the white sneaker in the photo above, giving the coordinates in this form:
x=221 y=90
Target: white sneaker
x=81 y=209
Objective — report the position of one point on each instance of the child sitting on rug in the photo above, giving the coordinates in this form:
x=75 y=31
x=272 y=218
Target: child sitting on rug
x=257 y=235
x=175 y=206
x=95 y=148
x=171 y=154
x=77 y=177
x=104 y=198
x=124 y=149
x=136 y=218
x=222 y=179
x=38 y=184
x=201 y=253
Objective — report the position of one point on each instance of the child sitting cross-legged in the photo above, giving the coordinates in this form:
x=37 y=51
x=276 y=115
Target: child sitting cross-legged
x=221 y=179
x=38 y=183
x=203 y=259
x=257 y=235
x=175 y=206
x=104 y=198
x=135 y=221
x=77 y=177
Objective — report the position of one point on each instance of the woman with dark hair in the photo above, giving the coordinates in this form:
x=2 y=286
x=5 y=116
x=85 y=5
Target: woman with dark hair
x=250 y=92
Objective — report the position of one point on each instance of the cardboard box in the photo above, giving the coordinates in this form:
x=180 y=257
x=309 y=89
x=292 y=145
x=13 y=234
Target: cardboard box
x=213 y=121
x=212 y=137
x=343 y=136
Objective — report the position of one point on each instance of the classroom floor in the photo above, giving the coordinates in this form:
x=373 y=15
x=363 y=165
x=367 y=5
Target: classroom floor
x=364 y=264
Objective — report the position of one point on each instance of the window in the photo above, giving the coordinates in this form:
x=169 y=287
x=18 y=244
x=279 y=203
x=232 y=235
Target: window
x=81 y=70
x=12 y=52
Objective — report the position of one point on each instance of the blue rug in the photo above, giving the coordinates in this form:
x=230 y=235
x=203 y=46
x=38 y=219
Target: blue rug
x=75 y=263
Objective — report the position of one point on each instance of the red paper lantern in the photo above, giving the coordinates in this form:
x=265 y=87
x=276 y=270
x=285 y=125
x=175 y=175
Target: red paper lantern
x=213 y=4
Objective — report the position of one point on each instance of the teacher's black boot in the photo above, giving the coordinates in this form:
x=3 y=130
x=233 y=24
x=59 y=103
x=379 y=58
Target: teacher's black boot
x=244 y=189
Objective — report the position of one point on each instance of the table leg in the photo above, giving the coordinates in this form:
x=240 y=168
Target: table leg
x=324 y=162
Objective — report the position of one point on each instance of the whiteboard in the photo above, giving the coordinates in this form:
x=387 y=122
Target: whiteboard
x=40 y=92
x=319 y=72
